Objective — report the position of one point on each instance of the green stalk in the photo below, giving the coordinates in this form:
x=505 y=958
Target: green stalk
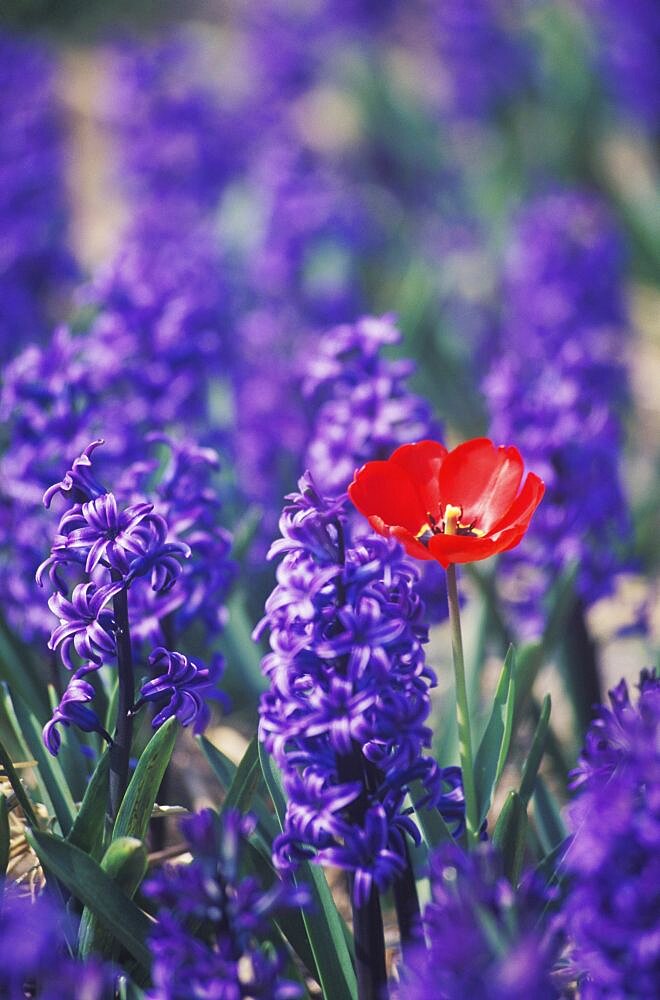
x=462 y=710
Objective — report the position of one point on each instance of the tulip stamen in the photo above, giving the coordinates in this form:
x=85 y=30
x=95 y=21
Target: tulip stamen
x=450 y=525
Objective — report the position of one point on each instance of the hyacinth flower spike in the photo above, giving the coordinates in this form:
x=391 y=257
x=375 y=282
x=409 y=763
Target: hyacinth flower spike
x=455 y=506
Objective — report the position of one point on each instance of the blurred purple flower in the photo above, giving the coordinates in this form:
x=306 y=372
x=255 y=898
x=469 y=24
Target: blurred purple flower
x=226 y=956
x=485 y=941
x=558 y=388
x=613 y=901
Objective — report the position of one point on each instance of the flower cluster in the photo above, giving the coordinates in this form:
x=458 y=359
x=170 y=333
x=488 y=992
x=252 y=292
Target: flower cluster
x=35 y=265
x=558 y=389
x=614 y=861
x=364 y=410
x=34 y=958
x=484 y=939
x=486 y=64
x=630 y=45
x=113 y=548
x=345 y=713
x=364 y=406
x=212 y=922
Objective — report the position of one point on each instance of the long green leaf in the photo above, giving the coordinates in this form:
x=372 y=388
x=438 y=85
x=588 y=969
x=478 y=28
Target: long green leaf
x=290 y=922
x=494 y=747
x=549 y=823
x=223 y=768
x=17 y=787
x=325 y=927
x=125 y=862
x=49 y=767
x=246 y=779
x=535 y=756
x=88 y=827
x=5 y=836
x=226 y=772
x=17 y=669
x=137 y=804
x=86 y=880
x=509 y=835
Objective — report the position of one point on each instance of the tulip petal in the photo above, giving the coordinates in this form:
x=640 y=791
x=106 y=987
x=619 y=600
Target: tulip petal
x=447 y=549
x=384 y=491
x=422 y=461
x=520 y=512
x=482 y=479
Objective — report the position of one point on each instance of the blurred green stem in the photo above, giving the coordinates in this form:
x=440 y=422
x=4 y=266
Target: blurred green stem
x=462 y=710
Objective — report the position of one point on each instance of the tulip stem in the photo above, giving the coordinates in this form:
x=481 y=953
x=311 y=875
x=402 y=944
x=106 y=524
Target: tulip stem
x=462 y=710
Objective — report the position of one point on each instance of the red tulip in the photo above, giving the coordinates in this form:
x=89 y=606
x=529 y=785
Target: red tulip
x=453 y=506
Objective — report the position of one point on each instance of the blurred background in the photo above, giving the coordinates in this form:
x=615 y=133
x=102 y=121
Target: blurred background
x=203 y=192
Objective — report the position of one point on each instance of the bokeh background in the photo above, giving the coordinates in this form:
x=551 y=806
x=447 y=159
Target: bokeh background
x=201 y=192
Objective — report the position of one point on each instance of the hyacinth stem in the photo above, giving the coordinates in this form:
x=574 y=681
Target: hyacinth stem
x=462 y=709
x=369 y=937
x=406 y=902
x=120 y=751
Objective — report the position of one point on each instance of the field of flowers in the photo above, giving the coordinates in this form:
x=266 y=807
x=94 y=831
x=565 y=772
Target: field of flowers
x=329 y=500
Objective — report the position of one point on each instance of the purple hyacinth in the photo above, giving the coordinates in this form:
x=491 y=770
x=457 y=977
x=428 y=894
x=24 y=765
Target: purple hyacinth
x=613 y=901
x=484 y=940
x=115 y=551
x=629 y=55
x=617 y=732
x=485 y=63
x=364 y=410
x=73 y=710
x=34 y=954
x=87 y=625
x=345 y=714
x=558 y=389
x=186 y=685
x=177 y=139
x=226 y=957
x=35 y=265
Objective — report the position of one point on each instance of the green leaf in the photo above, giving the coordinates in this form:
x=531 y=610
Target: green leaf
x=138 y=802
x=49 y=767
x=246 y=779
x=325 y=928
x=87 y=881
x=125 y=862
x=532 y=656
x=289 y=921
x=535 y=756
x=549 y=823
x=509 y=835
x=548 y=869
x=17 y=787
x=17 y=669
x=88 y=828
x=226 y=772
x=5 y=835
x=494 y=747
x=242 y=654
x=223 y=768
x=431 y=822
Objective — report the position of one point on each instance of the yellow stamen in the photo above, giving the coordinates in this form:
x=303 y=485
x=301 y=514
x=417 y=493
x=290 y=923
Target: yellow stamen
x=452 y=519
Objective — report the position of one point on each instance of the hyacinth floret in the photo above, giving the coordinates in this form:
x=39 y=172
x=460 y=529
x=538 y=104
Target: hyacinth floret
x=345 y=714
x=186 y=684
x=613 y=901
x=484 y=939
x=619 y=732
x=224 y=955
x=73 y=709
